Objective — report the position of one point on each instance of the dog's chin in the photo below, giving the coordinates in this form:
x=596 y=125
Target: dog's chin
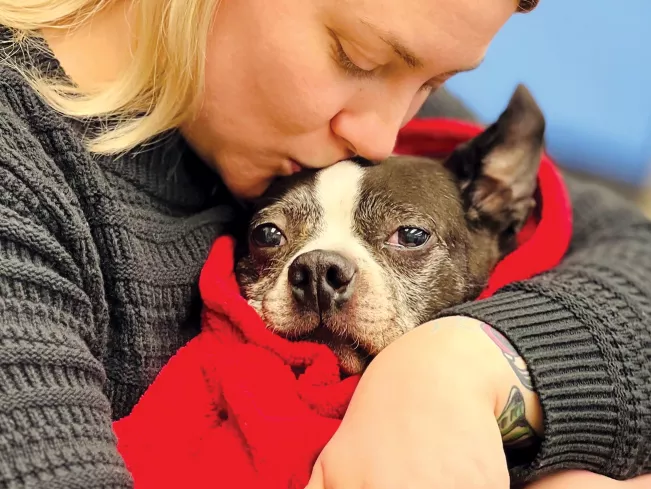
x=352 y=360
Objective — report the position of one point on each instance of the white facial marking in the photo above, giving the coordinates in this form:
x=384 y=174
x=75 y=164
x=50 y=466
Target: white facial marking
x=337 y=192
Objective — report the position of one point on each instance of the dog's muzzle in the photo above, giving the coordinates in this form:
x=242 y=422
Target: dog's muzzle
x=322 y=281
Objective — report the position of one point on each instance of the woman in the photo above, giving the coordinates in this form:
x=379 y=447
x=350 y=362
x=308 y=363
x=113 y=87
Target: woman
x=102 y=237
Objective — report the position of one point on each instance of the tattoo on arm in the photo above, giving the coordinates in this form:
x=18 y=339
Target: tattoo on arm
x=514 y=427
x=518 y=436
x=520 y=440
x=511 y=355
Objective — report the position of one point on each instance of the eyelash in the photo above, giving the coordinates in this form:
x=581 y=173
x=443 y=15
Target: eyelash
x=352 y=69
x=347 y=64
x=428 y=87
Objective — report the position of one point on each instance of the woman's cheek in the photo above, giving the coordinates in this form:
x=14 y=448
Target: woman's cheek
x=417 y=102
x=308 y=100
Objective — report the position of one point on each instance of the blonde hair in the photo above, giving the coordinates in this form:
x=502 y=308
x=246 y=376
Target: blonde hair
x=159 y=90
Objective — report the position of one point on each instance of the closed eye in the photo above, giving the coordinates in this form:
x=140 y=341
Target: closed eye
x=347 y=64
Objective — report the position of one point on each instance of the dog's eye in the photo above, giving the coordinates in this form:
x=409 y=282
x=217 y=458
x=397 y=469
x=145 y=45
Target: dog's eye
x=267 y=236
x=409 y=237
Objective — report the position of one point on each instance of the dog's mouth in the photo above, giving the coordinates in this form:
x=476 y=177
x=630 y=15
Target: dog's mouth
x=353 y=357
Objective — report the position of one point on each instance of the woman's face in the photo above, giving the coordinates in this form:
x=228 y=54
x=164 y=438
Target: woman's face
x=312 y=82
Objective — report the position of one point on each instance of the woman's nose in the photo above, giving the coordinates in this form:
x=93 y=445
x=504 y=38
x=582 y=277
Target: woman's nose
x=366 y=134
x=370 y=133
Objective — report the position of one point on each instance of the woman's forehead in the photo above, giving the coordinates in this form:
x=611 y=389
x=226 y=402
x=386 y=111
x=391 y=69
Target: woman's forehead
x=452 y=34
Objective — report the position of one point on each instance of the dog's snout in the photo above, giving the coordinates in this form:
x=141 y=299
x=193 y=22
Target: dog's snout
x=322 y=280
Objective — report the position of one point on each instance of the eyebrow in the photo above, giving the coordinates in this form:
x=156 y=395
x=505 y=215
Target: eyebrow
x=407 y=55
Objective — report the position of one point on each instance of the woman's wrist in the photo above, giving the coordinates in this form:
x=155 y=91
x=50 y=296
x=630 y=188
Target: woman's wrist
x=484 y=359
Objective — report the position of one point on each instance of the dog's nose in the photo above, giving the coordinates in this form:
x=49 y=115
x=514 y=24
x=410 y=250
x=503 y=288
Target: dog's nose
x=322 y=280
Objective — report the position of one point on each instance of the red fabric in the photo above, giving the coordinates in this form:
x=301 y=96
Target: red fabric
x=239 y=407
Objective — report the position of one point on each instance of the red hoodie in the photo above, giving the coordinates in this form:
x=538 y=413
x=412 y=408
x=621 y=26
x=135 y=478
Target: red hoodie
x=240 y=407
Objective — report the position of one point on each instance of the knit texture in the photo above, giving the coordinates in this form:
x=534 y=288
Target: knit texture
x=584 y=330
x=240 y=406
x=99 y=262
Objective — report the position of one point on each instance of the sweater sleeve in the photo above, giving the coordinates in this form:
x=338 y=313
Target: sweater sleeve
x=584 y=331
x=55 y=421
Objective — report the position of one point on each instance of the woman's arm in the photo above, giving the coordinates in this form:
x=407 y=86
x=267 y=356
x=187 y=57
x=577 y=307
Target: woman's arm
x=55 y=421
x=583 y=330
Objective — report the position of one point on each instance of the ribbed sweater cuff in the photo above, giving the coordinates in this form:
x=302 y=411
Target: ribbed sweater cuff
x=569 y=373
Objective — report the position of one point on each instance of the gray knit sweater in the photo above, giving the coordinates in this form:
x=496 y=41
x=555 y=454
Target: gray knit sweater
x=99 y=260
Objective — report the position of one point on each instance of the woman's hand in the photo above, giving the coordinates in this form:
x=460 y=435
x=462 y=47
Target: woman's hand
x=431 y=412
x=444 y=406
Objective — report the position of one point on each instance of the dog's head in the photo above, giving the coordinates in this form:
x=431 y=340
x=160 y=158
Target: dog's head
x=358 y=254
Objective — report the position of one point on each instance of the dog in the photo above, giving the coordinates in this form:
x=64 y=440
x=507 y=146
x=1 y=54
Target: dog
x=358 y=254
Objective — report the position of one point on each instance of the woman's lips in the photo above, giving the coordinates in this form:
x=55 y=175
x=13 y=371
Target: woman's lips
x=295 y=166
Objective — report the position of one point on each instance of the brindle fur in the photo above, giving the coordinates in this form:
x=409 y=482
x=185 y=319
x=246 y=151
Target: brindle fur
x=473 y=204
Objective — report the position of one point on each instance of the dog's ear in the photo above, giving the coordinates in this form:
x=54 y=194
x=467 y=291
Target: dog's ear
x=497 y=170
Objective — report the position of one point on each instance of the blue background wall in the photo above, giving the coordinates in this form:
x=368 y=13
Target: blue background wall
x=588 y=63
